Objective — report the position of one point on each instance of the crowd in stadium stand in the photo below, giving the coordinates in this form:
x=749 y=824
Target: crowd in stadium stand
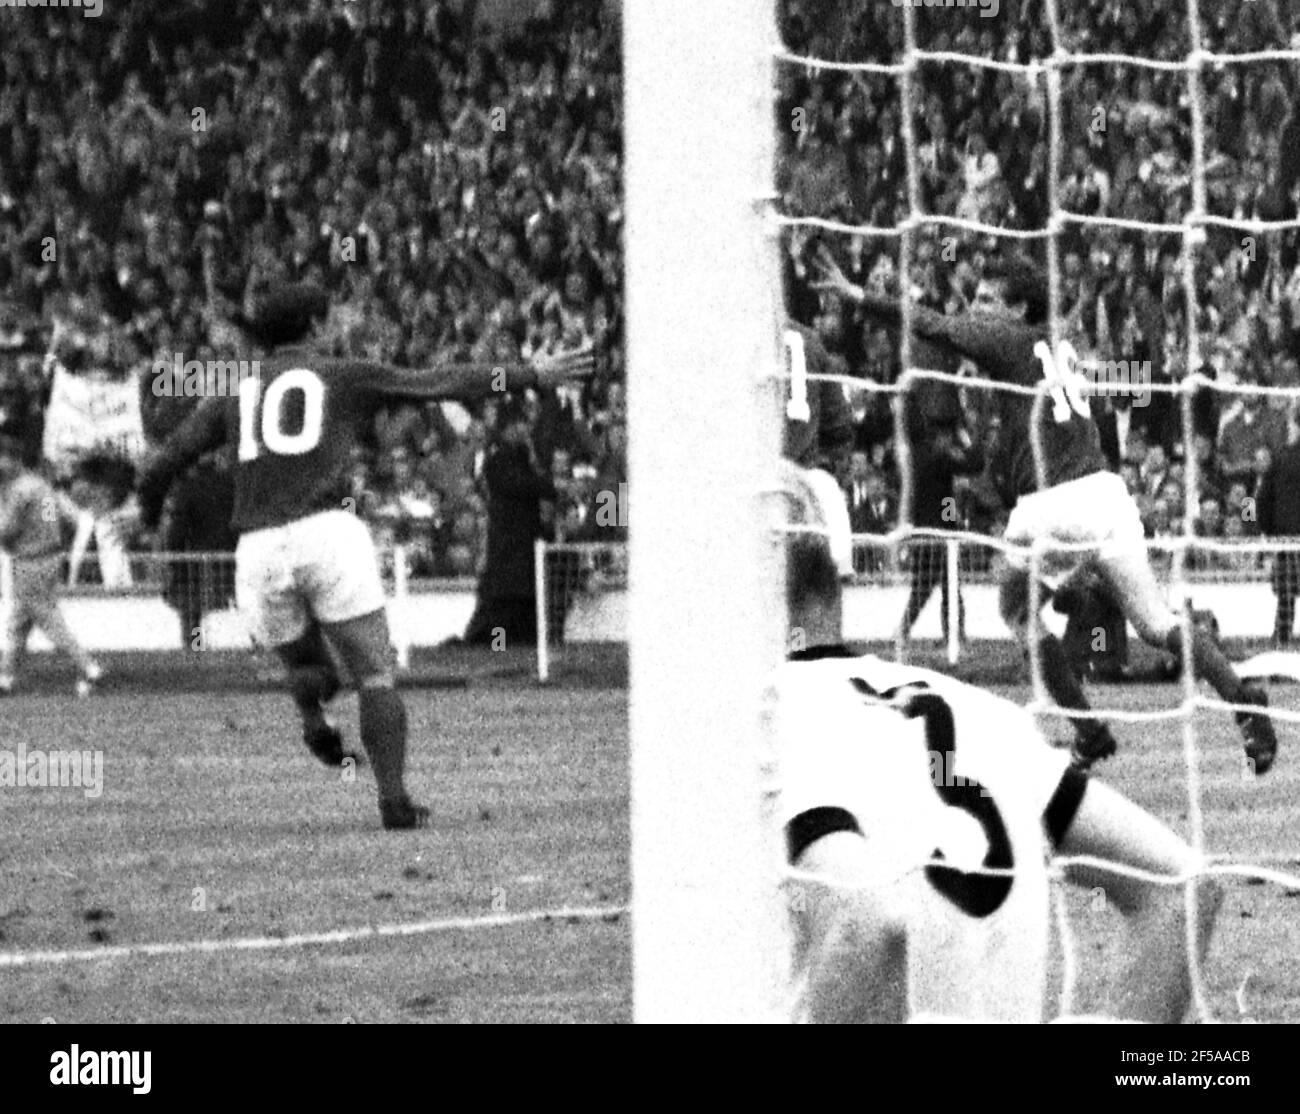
x=456 y=188
x=458 y=191
x=982 y=140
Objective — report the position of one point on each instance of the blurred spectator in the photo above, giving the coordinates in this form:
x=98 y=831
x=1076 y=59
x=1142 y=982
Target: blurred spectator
x=104 y=485
x=872 y=510
x=1209 y=522
x=980 y=176
x=1234 y=529
x=1154 y=471
x=197 y=521
x=1238 y=507
x=506 y=611
x=941 y=451
x=1279 y=516
x=1209 y=477
x=1247 y=427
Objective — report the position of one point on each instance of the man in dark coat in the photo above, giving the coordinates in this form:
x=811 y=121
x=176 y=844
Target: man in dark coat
x=202 y=505
x=941 y=451
x=506 y=611
x=1278 y=503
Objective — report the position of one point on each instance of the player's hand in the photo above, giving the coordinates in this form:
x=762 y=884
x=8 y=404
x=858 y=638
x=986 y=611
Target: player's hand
x=830 y=279
x=577 y=363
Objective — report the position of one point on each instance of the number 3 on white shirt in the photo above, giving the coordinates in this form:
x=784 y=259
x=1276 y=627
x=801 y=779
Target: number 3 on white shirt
x=274 y=437
x=1065 y=385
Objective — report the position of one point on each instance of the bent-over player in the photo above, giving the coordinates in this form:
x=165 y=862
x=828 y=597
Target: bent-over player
x=306 y=570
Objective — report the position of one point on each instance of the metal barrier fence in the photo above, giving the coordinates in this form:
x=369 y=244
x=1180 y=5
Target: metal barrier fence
x=186 y=601
x=162 y=601
x=579 y=589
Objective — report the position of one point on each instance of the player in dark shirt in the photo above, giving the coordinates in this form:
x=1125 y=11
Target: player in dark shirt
x=1065 y=494
x=305 y=566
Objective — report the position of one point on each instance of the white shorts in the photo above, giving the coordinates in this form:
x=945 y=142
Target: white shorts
x=1095 y=511
x=322 y=567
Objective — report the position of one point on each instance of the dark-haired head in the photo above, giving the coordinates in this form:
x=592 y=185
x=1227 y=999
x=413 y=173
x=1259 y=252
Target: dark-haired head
x=1014 y=284
x=285 y=314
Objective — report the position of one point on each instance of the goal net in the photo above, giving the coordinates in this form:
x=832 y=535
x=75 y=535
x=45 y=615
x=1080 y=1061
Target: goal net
x=866 y=108
x=581 y=596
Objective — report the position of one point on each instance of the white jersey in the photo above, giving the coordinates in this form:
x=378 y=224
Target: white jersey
x=974 y=796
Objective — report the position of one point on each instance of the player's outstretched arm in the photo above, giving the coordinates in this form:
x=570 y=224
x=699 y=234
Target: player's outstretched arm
x=203 y=431
x=985 y=341
x=1155 y=984
x=469 y=381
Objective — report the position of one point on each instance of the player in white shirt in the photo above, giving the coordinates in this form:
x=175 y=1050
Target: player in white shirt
x=920 y=812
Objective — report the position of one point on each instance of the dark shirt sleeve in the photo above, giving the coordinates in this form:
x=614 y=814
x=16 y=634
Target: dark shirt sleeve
x=990 y=343
x=203 y=431
x=452 y=381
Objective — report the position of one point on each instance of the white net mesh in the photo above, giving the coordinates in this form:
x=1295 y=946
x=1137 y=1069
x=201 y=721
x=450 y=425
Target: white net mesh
x=1044 y=65
x=581 y=598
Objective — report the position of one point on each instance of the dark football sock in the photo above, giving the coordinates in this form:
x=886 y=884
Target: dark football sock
x=1208 y=662
x=312 y=686
x=1063 y=684
x=383 y=734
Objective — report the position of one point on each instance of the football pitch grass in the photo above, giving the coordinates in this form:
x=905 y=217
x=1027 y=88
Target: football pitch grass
x=217 y=833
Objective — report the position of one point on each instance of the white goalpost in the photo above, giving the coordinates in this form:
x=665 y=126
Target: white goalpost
x=706 y=620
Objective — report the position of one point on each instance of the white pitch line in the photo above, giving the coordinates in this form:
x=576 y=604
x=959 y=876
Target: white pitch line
x=303 y=940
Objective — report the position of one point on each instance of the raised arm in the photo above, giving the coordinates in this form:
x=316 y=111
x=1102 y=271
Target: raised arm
x=201 y=432
x=984 y=340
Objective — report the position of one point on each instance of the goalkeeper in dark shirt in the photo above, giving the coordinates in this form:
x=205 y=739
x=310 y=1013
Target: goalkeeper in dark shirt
x=1064 y=493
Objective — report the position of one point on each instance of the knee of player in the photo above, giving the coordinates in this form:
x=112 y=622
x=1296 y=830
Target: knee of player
x=1162 y=632
x=1015 y=614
